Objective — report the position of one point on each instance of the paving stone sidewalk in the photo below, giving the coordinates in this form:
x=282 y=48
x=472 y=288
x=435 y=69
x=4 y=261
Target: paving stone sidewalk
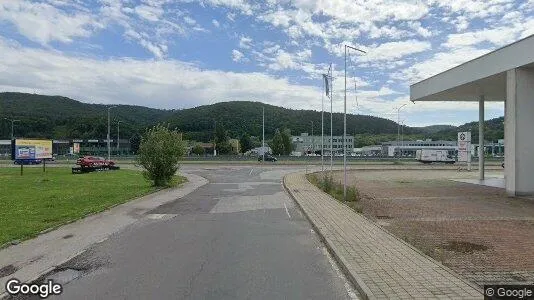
x=380 y=265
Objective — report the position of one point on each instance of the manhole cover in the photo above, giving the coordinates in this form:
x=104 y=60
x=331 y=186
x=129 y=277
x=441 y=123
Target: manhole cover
x=7 y=270
x=464 y=247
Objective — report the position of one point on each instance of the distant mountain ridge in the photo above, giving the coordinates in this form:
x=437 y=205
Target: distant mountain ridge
x=61 y=117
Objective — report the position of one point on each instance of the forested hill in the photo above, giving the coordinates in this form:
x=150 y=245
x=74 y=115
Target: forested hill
x=60 y=117
x=239 y=117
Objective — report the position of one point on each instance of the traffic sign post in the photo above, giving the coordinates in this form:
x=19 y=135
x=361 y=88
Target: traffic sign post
x=464 y=148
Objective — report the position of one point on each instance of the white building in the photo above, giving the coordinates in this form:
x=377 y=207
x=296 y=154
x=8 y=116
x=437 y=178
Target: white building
x=306 y=143
x=504 y=75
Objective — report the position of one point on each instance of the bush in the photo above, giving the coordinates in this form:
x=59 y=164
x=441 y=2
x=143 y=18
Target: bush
x=160 y=151
x=335 y=189
x=198 y=150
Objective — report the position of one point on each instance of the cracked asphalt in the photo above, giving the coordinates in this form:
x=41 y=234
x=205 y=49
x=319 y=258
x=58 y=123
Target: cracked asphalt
x=238 y=237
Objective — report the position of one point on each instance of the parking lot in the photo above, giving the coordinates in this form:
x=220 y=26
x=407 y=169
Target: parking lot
x=476 y=230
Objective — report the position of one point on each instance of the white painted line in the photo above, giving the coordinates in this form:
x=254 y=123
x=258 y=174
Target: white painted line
x=250 y=172
x=287 y=211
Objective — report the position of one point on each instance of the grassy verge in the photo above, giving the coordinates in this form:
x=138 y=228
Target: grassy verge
x=37 y=201
x=335 y=189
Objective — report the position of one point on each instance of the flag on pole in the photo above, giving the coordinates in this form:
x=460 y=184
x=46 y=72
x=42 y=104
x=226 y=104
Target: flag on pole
x=326 y=85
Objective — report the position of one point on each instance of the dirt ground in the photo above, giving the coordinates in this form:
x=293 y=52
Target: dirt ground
x=475 y=230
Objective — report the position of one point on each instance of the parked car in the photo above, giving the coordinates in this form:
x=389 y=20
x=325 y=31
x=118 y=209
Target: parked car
x=268 y=157
x=94 y=161
x=27 y=161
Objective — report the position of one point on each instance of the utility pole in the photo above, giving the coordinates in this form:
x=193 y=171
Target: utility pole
x=398 y=129
x=312 y=140
x=345 y=126
x=118 y=136
x=12 y=126
x=331 y=119
x=108 y=139
x=263 y=133
x=322 y=129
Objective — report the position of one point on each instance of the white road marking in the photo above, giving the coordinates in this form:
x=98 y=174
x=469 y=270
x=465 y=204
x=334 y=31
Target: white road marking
x=249 y=174
x=287 y=211
x=348 y=287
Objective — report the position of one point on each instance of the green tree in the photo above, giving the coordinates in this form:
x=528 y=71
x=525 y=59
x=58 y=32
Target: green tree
x=221 y=140
x=286 y=141
x=277 y=144
x=198 y=150
x=135 y=141
x=160 y=152
x=246 y=142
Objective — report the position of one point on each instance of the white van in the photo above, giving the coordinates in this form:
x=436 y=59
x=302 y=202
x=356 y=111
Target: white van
x=428 y=156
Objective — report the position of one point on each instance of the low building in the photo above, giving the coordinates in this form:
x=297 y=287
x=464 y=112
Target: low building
x=305 y=143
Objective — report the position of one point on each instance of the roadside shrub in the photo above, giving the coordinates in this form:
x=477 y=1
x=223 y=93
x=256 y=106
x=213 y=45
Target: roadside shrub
x=160 y=152
x=327 y=184
x=335 y=189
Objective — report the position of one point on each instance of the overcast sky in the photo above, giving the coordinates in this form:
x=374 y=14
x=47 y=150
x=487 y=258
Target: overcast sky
x=186 y=53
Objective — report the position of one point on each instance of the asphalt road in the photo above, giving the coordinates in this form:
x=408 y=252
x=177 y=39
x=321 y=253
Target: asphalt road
x=238 y=237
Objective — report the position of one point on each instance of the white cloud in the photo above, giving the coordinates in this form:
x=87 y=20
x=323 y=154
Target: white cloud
x=149 y=13
x=498 y=37
x=285 y=60
x=394 y=50
x=245 y=42
x=215 y=23
x=237 y=55
x=438 y=63
x=43 y=23
x=163 y=83
x=190 y=21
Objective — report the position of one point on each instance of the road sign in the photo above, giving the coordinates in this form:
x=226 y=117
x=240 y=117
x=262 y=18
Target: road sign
x=464 y=136
x=464 y=146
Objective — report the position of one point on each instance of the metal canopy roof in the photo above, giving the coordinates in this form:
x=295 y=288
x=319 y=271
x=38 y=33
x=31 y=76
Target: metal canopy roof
x=485 y=75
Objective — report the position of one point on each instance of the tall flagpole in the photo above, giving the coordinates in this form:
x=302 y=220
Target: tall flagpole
x=322 y=128
x=345 y=127
x=331 y=71
x=263 y=133
x=345 y=134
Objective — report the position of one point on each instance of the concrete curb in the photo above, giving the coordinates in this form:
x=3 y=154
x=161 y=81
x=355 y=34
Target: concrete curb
x=356 y=280
x=194 y=182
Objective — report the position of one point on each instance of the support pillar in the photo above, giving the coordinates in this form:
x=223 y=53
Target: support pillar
x=481 y=138
x=518 y=133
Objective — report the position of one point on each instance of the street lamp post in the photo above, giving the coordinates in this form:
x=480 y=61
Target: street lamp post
x=263 y=134
x=118 y=136
x=398 y=127
x=345 y=126
x=12 y=126
x=108 y=139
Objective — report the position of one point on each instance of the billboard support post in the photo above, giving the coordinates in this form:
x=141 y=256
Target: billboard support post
x=44 y=165
x=21 y=169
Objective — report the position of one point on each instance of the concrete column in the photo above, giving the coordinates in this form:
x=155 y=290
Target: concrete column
x=518 y=132
x=481 y=138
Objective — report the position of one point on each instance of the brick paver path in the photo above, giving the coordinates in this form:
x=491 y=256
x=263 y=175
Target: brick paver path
x=380 y=265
